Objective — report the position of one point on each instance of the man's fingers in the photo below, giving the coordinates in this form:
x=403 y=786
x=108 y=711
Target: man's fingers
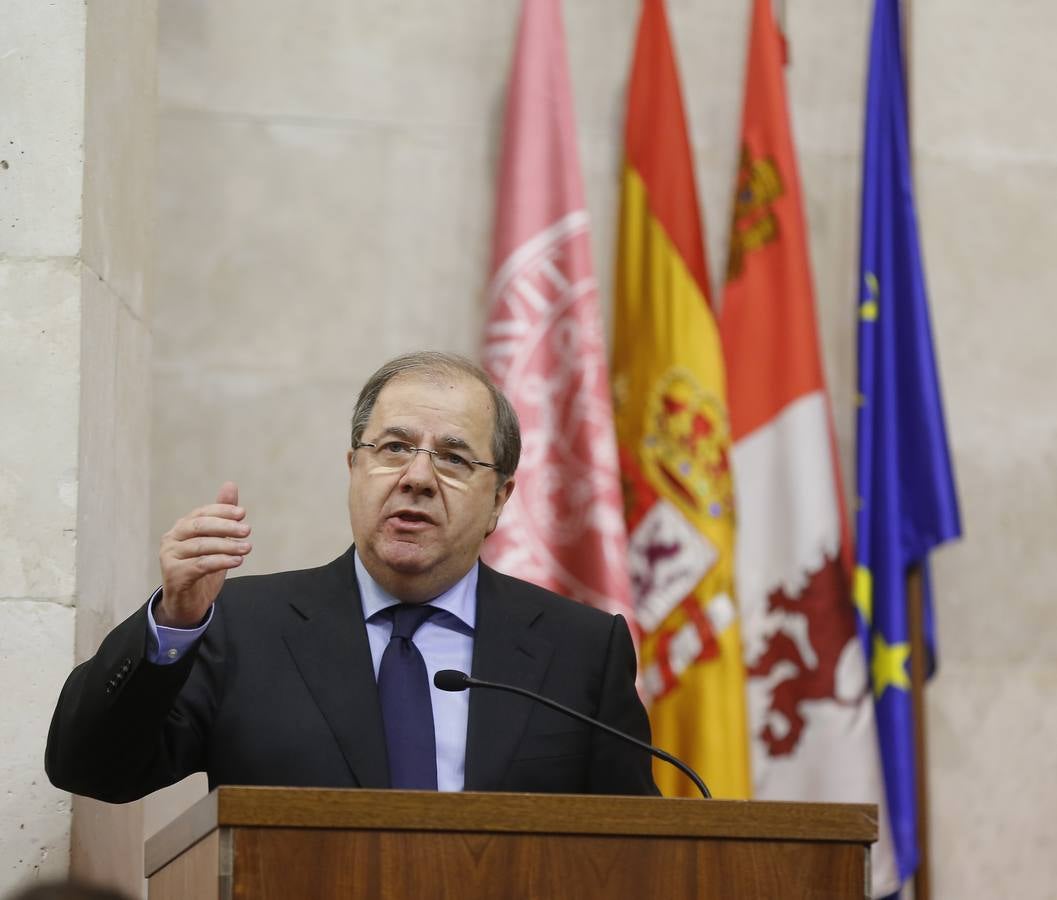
x=196 y=552
x=218 y=510
x=207 y=546
x=228 y=493
x=180 y=577
x=208 y=526
x=204 y=565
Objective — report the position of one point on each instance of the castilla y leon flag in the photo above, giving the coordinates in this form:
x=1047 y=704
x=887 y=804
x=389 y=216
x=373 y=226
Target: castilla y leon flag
x=811 y=722
x=543 y=341
x=673 y=438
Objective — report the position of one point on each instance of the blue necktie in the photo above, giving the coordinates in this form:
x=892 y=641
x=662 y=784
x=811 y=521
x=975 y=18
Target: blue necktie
x=407 y=710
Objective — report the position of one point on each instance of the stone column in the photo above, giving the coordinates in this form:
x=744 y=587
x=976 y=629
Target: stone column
x=77 y=159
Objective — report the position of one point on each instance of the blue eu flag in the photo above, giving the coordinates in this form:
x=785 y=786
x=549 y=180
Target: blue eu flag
x=907 y=501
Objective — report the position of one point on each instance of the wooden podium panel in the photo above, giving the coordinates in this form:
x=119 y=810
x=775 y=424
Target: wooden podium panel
x=288 y=842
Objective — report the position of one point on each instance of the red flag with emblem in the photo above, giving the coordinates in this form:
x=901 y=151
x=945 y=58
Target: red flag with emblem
x=563 y=526
x=812 y=729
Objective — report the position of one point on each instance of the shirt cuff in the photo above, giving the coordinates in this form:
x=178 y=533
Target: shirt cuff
x=166 y=645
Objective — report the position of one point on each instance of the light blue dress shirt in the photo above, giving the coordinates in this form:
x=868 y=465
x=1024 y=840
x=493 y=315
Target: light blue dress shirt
x=445 y=642
x=166 y=645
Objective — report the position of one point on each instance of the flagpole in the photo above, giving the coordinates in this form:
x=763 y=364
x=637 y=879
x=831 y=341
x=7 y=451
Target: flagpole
x=918 y=675
x=916 y=613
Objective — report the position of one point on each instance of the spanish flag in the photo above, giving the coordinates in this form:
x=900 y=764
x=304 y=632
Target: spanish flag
x=674 y=439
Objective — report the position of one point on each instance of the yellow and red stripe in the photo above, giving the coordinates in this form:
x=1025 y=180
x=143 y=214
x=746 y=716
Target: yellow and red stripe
x=673 y=434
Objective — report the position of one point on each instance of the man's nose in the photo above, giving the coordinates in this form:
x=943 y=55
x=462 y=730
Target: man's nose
x=419 y=474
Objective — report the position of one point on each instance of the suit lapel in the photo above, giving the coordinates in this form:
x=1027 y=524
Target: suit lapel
x=505 y=650
x=328 y=641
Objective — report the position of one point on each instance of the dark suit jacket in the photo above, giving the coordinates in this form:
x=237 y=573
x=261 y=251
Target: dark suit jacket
x=281 y=691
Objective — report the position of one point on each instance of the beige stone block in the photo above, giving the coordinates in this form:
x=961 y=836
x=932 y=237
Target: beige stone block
x=828 y=52
x=982 y=80
x=711 y=42
x=318 y=252
x=114 y=550
x=120 y=111
x=422 y=63
x=992 y=729
x=987 y=253
x=134 y=552
x=994 y=588
x=367 y=61
x=41 y=128
x=599 y=38
x=36 y=655
x=39 y=371
x=283 y=444
x=95 y=495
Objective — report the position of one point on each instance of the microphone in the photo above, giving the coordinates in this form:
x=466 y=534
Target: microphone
x=454 y=680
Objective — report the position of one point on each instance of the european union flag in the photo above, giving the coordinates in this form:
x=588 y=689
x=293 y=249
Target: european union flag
x=907 y=501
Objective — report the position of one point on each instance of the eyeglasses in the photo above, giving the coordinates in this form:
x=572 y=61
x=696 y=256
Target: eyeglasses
x=397 y=455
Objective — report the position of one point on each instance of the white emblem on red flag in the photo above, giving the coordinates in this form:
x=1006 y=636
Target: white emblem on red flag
x=563 y=527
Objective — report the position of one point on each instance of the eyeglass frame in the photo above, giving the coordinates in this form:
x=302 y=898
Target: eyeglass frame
x=432 y=456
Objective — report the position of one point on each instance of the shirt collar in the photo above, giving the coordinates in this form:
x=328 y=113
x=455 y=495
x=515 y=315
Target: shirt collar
x=460 y=600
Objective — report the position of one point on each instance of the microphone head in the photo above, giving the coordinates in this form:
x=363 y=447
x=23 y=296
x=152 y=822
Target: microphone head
x=451 y=680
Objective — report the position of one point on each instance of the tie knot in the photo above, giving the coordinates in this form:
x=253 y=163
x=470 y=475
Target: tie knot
x=407 y=617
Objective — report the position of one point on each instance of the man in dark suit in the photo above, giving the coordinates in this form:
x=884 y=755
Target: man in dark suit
x=322 y=677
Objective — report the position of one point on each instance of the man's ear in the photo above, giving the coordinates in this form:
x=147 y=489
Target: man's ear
x=502 y=494
x=348 y=458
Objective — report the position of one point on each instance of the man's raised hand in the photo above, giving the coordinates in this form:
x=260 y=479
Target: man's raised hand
x=196 y=554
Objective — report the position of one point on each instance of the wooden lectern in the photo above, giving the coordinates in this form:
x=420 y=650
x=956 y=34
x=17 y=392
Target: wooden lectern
x=309 y=843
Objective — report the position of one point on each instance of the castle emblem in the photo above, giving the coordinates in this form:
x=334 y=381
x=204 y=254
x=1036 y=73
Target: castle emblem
x=755 y=224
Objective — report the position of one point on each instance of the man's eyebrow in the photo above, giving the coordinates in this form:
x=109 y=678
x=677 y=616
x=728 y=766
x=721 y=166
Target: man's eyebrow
x=454 y=443
x=398 y=431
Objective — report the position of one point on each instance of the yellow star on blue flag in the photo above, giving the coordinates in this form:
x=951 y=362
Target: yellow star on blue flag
x=889 y=665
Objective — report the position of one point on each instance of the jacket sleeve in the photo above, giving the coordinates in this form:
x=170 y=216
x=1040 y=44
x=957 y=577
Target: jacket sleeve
x=618 y=767
x=123 y=726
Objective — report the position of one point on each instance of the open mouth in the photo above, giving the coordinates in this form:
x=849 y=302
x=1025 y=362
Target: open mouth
x=411 y=519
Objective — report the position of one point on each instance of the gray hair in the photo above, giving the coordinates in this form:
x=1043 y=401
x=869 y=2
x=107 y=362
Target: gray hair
x=506 y=431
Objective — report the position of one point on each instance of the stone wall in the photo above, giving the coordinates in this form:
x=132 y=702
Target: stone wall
x=77 y=144
x=41 y=160
x=986 y=154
